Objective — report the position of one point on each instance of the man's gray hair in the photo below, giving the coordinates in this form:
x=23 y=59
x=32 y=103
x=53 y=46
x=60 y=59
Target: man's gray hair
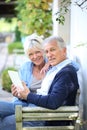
x=59 y=40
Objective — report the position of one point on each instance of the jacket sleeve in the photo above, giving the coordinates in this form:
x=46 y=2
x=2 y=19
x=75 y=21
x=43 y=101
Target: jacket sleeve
x=59 y=90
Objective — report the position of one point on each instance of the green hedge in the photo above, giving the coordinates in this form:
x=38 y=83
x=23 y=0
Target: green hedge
x=6 y=81
x=13 y=46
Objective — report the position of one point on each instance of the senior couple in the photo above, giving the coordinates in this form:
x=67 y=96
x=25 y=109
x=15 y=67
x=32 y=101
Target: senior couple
x=49 y=80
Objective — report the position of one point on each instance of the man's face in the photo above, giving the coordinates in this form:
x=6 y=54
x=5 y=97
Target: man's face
x=54 y=53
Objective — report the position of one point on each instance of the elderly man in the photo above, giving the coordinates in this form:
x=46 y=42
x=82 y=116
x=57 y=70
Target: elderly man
x=60 y=84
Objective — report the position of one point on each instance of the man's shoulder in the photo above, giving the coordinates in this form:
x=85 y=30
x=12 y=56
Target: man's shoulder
x=68 y=69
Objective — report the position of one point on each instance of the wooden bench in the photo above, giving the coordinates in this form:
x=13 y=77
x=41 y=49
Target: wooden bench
x=39 y=114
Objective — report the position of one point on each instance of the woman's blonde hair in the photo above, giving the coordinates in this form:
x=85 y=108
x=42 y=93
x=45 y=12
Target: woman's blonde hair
x=32 y=41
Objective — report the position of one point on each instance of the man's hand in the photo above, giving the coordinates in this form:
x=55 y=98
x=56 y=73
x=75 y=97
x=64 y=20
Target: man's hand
x=20 y=93
x=24 y=93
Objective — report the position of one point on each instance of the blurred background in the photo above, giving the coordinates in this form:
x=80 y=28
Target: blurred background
x=20 y=18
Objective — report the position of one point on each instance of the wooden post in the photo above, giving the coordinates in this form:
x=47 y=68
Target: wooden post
x=18 y=113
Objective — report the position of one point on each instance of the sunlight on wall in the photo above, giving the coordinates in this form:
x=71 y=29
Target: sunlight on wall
x=78 y=25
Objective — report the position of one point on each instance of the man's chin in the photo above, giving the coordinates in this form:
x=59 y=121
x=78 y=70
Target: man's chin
x=52 y=64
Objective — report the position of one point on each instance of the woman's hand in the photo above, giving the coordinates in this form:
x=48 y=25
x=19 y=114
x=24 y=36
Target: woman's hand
x=45 y=68
x=14 y=90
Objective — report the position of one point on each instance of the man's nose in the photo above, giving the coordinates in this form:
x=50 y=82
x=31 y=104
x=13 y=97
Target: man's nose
x=49 y=54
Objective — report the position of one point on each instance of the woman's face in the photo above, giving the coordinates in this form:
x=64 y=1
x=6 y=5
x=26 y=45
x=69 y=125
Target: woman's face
x=36 y=55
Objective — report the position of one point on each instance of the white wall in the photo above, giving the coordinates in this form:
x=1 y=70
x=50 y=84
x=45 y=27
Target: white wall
x=78 y=32
x=64 y=30
x=78 y=35
x=58 y=29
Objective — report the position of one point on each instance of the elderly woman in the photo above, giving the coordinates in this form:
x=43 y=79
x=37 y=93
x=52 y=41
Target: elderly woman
x=29 y=73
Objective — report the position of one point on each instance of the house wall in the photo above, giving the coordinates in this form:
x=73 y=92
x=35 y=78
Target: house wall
x=78 y=46
x=64 y=30
x=78 y=25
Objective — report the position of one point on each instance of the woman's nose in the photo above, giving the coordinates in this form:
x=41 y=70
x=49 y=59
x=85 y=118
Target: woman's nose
x=34 y=55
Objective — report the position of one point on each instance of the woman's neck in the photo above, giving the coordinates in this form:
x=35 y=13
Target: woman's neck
x=39 y=67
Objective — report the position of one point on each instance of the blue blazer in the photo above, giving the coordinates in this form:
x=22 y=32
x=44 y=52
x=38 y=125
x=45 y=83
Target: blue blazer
x=62 y=92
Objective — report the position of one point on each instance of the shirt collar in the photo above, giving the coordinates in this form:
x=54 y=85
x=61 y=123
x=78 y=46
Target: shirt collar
x=67 y=61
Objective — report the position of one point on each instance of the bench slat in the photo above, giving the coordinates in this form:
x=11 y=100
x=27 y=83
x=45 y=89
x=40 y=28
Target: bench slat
x=49 y=116
x=51 y=128
x=61 y=109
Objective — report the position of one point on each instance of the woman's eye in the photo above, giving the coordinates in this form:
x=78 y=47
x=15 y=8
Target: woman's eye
x=30 y=54
x=37 y=52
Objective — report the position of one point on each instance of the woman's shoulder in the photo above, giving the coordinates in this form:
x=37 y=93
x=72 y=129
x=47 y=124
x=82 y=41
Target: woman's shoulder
x=27 y=64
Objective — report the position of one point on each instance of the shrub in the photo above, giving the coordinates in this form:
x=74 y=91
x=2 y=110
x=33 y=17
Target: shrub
x=13 y=46
x=6 y=81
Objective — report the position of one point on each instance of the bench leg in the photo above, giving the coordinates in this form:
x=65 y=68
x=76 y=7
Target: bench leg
x=19 y=126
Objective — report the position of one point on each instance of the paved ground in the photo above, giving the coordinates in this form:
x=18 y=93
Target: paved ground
x=5 y=61
x=5 y=96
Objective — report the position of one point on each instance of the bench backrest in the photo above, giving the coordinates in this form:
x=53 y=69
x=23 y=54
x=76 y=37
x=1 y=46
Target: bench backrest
x=40 y=114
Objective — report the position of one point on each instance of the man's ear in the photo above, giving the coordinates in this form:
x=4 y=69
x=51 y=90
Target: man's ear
x=64 y=50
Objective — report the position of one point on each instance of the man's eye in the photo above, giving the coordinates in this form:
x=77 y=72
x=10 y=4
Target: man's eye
x=52 y=49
